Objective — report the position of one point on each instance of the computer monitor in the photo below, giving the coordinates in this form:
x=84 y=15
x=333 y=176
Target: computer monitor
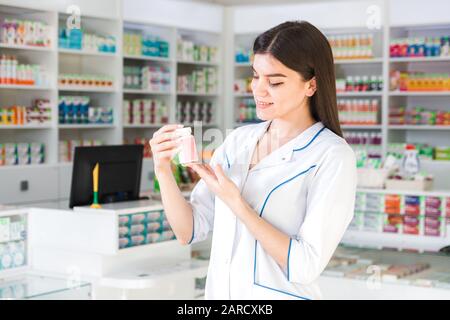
x=119 y=174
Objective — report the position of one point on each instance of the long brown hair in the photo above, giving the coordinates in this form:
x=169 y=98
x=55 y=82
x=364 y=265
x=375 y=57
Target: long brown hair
x=300 y=46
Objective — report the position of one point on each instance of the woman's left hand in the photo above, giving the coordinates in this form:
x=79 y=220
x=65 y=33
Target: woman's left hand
x=218 y=183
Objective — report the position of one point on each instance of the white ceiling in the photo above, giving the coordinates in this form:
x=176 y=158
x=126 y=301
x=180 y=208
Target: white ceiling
x=253 y=2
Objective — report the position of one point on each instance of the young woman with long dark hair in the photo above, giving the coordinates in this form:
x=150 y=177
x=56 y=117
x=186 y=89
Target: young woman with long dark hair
x=278 y=195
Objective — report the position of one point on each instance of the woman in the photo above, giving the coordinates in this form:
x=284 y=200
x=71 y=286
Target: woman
x=277 y=195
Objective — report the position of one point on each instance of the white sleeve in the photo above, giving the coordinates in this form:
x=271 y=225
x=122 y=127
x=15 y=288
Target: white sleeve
x=202 y=203
x=329 y=210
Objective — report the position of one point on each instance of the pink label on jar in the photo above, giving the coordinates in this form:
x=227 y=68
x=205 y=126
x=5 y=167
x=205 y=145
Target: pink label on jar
x=188 y=150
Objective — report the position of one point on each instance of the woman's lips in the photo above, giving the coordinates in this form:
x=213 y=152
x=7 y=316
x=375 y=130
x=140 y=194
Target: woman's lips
x=263 y=104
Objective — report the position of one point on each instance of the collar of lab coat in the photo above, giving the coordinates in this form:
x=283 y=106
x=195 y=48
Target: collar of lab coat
x=285 y=152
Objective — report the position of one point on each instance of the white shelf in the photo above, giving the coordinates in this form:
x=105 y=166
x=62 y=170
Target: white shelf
x=85 y=89
x=141 y=91
x=243 y=95
x=87 y=53
x=436 y=162
x=149 y=126
x=418 y=127
x=243 y=64
x=361 y=126
x=147 y=58
x=86 y=126
x=24 y=166
x=23 y=87
x=420 y=59
x=194 y=94
x=418 y=93
x=26 y=126
x=198 y=63
x=134 y=279
x=189 y=124
x=396 y=240
x=358 y=61
x=432 y=193
x=25 y=47
x=360 y=94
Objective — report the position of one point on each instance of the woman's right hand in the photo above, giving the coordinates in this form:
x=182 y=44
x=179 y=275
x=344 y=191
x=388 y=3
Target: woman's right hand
x=164 y=146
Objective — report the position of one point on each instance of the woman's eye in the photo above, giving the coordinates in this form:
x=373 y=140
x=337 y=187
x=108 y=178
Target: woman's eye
x=275 y=84
x=255 y=76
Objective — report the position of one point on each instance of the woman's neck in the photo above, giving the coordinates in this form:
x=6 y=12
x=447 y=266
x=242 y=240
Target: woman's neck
x=291 y=127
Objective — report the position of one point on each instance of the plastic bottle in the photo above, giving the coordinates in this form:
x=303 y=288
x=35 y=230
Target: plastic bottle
x=188 y=150
x=411 y=162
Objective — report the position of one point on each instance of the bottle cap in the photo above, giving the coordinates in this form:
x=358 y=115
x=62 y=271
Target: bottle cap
x=184 y=131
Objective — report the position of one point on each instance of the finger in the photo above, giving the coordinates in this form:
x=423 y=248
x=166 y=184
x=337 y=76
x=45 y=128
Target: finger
x=166 y=136
x=204 y=173
x=166 y=154
x=167 y=128
x=164 y=146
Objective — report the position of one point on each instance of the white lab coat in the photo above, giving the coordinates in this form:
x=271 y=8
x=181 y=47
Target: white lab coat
x=306 y=189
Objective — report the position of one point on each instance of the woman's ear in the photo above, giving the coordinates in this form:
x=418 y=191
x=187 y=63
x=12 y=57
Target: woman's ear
x=311 y=87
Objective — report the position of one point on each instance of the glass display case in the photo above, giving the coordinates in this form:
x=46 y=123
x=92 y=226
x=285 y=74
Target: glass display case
x=40 y=287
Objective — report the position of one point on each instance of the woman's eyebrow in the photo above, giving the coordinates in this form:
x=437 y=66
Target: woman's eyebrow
x=272 y=74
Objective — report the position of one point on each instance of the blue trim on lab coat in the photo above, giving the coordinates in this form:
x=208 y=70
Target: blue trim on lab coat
x=289 y=253
x=262 y=210
x=314 y=138
x=228 y=161
x=193 y=224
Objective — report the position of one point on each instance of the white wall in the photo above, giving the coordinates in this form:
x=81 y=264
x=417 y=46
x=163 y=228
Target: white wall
x=414 y=12
x=189 y=15
x=98 y=8
x=345 y=14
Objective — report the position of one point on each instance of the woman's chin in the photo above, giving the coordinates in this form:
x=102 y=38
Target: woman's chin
x=264 y=116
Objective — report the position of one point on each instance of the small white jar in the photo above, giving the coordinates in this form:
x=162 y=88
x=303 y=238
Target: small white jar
x=188 y=149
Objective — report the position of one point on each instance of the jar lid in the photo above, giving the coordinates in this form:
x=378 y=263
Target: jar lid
x=184 y=131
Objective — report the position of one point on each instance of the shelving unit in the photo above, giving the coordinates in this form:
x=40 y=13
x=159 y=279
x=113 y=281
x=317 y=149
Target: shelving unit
x=433 y=135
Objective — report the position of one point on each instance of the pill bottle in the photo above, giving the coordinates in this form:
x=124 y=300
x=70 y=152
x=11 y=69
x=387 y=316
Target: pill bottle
x=188 y=149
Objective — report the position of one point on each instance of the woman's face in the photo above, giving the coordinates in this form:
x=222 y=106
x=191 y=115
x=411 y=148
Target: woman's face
x=279 y=92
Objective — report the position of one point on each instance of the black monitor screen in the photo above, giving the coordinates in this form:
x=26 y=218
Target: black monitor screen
x=119 y=174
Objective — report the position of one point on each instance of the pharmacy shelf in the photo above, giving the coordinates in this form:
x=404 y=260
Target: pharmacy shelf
x=418 y=127
x=143 y=126
x=84 y=89
x=25 y=166
x=419 y=59
x=25 y=47
x=361 y=127
x=243 y=95
x=394 y=240
x=243 y=64
x=360 y=94
x=86 y=126
x=419 y=93
x=433 y=193
x=23 y=87
x=26 y=126
x=358 y=61
x=194 y=94
x=208 y=125
x=436 y=162
x=145 y=92
x=147 y=58
x=198 y=63
x=87 y=53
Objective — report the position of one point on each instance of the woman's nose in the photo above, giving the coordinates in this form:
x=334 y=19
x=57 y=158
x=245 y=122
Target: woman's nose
x=259 y=88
